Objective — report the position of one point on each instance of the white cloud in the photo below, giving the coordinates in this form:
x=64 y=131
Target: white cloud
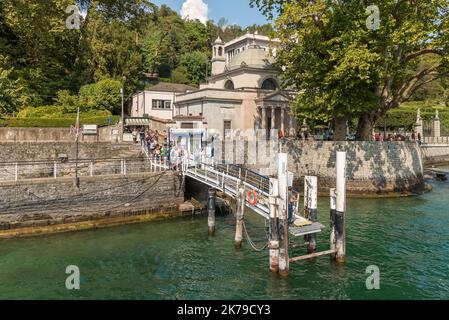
x=195 y=9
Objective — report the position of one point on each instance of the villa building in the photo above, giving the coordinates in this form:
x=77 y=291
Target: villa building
x=243 y=91
x=157 y=101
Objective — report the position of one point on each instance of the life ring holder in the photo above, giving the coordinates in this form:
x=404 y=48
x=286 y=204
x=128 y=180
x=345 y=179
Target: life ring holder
x=252 y=197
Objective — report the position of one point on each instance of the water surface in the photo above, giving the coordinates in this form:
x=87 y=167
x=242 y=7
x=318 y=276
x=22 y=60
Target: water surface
x=407 y=238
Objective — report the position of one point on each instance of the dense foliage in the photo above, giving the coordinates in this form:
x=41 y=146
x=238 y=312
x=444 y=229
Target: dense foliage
x=349 y=71
x=120 y=42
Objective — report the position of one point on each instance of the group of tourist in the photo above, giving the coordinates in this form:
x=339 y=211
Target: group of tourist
x=397 y=137
x=150 y=139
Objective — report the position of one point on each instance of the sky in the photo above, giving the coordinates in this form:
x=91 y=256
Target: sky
x=234 y=11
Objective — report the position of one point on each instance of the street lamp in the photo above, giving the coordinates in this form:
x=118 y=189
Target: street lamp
x=122 y=92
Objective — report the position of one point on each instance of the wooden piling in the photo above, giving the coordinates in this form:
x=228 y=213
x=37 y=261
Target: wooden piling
x=340 y=208
x=211 y=212
x=283 y=214
x=312 y=199
x=274 y=226
x=239 y=215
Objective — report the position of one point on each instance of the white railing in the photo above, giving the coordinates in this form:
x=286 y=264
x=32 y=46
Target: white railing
x=436 y=140
x=228 y=179
x=157 y=164
x=26 y=170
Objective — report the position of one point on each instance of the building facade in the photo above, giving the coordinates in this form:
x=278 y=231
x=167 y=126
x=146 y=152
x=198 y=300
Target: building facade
x=158 y=101
x=243 y=91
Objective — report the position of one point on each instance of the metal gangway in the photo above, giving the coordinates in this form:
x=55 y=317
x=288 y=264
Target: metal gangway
x=228 y=179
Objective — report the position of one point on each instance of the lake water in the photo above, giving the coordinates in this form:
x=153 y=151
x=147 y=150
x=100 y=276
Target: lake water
x=407 y=238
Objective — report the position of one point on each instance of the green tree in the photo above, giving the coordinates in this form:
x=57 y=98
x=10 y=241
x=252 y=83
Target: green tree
x=196 y=63
x=111 y=40
x=9 y=91
x=196 y=38
x=163 y=42
x=103 y=95
x=346 y=70
x=180 y=75
x=34 y=37
x=265 y=29
x=67 y=101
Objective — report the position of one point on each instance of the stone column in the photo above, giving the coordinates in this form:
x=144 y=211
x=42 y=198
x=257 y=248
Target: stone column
x=263 y=120
x=273 y=118
x=292 y=131
x=436 y=125
x=418 y=125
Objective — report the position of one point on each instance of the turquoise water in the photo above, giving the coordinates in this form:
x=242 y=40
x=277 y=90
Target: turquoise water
x=407 y=238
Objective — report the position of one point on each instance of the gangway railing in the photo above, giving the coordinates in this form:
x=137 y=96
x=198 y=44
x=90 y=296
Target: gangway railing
x=228 y=179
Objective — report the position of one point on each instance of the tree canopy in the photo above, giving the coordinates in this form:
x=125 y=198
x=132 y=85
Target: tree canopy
x=345 y=68
x=119 y=42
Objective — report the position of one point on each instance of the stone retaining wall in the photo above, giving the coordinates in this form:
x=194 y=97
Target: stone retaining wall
x=372 y=168
x=46 y=202
x=35 y=151
x=435 y=153
x=10 y=134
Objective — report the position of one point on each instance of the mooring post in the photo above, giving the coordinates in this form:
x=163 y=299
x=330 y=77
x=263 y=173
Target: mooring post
x=211 y=213
x=312 y=183
x=283 y=214
x=239 y=215
x=341 y=207
x=273 y=226
x=333 y=206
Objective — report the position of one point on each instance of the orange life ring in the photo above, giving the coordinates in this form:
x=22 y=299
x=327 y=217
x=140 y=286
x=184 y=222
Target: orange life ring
x=252 y=197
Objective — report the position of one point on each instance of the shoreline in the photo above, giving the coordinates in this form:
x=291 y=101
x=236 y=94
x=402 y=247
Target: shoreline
x=102 y=223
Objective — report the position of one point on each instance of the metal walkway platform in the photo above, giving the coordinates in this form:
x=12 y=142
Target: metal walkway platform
x=227 y=179
x=315 y=227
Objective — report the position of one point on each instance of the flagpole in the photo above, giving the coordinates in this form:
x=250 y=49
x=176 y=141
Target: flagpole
x=77 y=129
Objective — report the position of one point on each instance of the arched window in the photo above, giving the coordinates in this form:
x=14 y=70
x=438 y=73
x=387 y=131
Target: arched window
x=220 y=51
x=215 y=51
x=269 y=84
x=229 y=85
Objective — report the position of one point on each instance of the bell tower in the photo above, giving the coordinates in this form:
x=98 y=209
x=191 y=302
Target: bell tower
x=218 y=57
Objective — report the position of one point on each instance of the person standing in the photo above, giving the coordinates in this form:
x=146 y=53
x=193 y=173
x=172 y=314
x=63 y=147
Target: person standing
x=142 y=136
x=134 y=134
x=280 y=134
x=164 y=152
x=291 y=200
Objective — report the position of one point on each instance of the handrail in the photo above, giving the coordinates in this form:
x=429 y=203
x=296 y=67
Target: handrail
x=69 y=161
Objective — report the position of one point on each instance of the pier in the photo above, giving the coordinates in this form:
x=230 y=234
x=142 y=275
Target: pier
x=269 y=197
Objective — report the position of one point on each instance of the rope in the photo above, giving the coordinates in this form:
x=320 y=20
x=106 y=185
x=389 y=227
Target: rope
x=53 y=202
x=251 y=243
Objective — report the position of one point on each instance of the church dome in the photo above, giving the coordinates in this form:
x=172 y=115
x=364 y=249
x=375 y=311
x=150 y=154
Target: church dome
x=254 y=56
